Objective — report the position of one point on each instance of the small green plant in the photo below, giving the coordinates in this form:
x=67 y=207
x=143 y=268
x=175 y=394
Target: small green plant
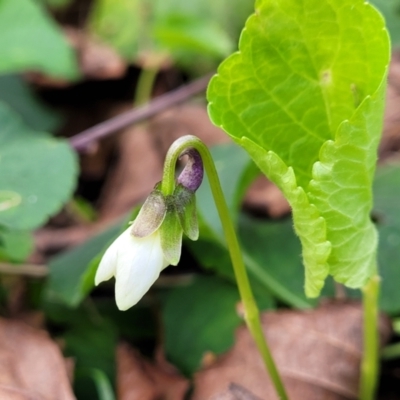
x=306 y=100
x=302 y=99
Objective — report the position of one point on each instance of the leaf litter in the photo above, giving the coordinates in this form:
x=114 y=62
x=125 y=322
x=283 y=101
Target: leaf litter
x=31 y=365
x=318 y=353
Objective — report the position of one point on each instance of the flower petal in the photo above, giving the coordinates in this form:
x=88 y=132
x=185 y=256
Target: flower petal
x=139 y=265
x=108 y=263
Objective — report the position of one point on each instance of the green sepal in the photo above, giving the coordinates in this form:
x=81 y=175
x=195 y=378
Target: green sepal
x=171 y=234
x=185 y=203
x=151 y=215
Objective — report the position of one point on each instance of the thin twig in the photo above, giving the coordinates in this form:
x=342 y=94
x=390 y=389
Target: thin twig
x=34 y=270
x=82 y=140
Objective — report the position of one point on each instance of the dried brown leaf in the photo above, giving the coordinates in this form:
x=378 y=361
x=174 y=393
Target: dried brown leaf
x=97 y=60
x=318 y=353
x=139 y=379
x=265 y=197
x=186 y=119
x=31 y=365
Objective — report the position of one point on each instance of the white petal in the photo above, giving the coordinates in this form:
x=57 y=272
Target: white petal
x=108 y=263
x=139 y=265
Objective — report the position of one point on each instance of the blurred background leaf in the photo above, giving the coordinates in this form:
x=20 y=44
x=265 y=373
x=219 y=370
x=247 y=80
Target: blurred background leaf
x=152 y=32
x=386 y=212
x=18 y=95
x=15 y=246
x=199 y=318
x=57 y=3
x=72 y=273
x=31 y=40
x=38 y=173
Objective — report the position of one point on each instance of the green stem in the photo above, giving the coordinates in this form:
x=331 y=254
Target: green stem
x=369 y=364
x=252 y=314
x=144 y=87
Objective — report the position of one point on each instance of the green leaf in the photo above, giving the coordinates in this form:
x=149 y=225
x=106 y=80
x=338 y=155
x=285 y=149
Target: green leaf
x=234 y=179
x=273 y=247
x=18 y=96
x=183 y=35
x=31 y=40
x=72 y=273
x=37 y=173
x=119 y=23
x=306 y=100
x=150 y=31
x=57 y=3
x=83 y=209
x=15 y=246
x=102 y=338
x=103 y=385
x=92 y=344
x=199 y=318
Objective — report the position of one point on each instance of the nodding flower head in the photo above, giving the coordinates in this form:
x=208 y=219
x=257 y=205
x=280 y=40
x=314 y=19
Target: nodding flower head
x=154 y=240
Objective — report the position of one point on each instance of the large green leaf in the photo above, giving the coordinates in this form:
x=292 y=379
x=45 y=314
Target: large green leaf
x=37 y=173
x=31 y=40
x=305 y=99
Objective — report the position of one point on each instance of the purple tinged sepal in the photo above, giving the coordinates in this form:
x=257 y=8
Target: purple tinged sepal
x=151 y=215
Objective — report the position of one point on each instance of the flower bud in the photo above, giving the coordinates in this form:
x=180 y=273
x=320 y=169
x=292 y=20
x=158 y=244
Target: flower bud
x=192 y=175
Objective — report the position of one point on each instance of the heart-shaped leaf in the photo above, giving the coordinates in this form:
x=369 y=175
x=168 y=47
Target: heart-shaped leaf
x=305 y=99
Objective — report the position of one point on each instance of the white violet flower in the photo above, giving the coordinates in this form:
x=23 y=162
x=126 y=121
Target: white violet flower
x=136 y=264
x=154 y=240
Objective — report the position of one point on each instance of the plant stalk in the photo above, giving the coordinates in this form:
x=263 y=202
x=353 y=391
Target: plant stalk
x=251 y=312
x=370 y=362
x=144 y=87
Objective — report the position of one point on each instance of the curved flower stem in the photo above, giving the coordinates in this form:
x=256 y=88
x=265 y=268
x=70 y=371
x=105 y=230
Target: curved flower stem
x=251 y=312
x=370 y=364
